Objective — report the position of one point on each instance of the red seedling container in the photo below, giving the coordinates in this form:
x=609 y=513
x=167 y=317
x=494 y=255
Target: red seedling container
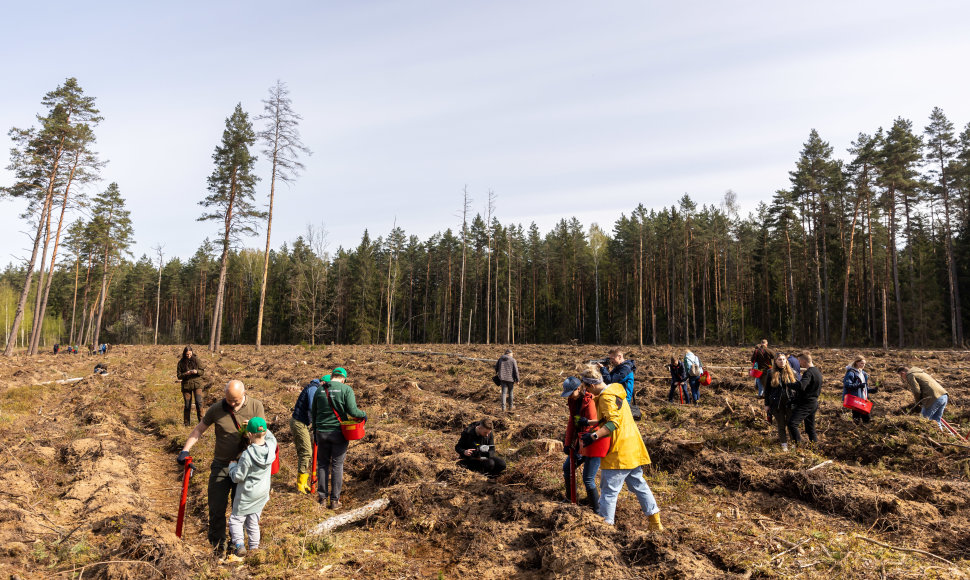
x=352 y=430
x=857 y=404
x=756 y=373
x=599 y=448
x=706 y=379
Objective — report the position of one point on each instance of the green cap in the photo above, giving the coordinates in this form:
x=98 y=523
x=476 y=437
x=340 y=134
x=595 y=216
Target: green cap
x=256 y=425
x=340 y=371
x=325 y=378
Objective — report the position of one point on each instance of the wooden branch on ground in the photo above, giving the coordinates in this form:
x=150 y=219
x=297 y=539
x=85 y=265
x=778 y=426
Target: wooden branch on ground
x=434 y=353
x=942 y=443
x=350 y=517
x=62 y=382
x=795 y=547
x=910 y=550
x=822 y=464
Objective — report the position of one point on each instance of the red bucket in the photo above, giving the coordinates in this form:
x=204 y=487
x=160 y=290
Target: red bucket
x=706 y=379
x=353 y=430
x=857 y=404
x=598 y=448
x=756 y=373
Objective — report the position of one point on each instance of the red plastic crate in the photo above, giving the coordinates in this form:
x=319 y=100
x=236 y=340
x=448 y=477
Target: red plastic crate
x=857 y=404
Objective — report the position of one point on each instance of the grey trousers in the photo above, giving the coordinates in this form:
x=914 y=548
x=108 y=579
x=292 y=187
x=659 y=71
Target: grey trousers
x=331 y=451
x=506 y=390
x=251 y=522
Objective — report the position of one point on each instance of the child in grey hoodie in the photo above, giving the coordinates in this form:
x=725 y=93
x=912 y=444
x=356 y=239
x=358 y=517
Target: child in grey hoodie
x=251 y=473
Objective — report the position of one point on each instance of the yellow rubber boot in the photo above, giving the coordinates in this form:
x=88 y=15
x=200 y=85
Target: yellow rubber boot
x=302 y=484
x=654 y=522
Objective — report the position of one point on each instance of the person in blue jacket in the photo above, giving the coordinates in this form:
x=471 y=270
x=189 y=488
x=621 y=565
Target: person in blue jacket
x=620 y=371
x=694 y=370
x=300 y=423
x=856 y=383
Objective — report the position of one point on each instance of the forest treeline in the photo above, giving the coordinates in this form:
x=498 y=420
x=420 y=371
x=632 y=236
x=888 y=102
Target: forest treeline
x=865 y=248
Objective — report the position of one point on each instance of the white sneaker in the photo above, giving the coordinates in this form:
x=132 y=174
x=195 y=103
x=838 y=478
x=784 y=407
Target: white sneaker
x=784 y=447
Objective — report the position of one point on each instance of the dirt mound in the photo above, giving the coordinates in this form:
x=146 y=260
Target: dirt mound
x=402 y=468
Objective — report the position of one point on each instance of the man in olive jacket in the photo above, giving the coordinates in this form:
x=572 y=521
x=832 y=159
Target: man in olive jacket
x=927 y=393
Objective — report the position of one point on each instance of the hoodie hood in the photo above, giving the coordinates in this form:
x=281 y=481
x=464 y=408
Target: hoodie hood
x=627 y=366
x=263 y=455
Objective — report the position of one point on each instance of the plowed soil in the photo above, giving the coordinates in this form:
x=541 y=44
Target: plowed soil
x=91 y=488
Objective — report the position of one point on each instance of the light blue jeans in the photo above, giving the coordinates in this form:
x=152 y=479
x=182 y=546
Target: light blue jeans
x=761 y=388
x=934 y=411
x=611 y=480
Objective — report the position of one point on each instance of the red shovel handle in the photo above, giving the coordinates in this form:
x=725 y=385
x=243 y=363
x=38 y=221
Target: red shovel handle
x=313 y=470
x=185 y=493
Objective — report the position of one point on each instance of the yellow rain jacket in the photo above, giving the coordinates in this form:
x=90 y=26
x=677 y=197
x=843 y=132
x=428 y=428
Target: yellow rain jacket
x=627 y=450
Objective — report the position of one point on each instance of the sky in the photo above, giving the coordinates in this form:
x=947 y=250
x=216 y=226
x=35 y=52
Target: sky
x=562 y=108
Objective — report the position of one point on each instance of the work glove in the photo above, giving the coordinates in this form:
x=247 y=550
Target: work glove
x=587 y=439
x=581 y=422
x=183 y=455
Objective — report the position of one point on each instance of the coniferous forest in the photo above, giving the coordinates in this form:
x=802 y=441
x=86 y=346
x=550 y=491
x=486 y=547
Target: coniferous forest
x=866 y=246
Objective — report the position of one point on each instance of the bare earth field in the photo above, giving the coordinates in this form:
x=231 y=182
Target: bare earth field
x=91 y=486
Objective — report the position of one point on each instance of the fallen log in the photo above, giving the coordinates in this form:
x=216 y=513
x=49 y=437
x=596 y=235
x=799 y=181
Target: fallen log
x=330 y=524
x=62 y=382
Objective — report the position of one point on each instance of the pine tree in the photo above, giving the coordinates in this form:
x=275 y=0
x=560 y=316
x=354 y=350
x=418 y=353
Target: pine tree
x=232 y=184
x=112 y=234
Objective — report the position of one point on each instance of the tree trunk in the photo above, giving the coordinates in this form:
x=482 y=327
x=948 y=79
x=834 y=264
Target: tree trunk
x=269 y=230
x=38 y=321
x=848 y=271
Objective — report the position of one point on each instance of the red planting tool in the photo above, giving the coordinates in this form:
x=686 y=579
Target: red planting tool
x=952 y=430
x=572 y=477
x=186 y=476
x=313 y=470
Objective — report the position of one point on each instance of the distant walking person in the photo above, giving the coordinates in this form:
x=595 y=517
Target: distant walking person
x=334 y=398
x=805 y=404
x=927 y=393
x=507 y=371
x=761 y=359
x=619 y=370
x=694 y=370
x=190 y=371
x=678 y=378
x=856 y=383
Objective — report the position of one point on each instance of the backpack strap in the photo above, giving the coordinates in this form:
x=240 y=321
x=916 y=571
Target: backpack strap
x=326 y=388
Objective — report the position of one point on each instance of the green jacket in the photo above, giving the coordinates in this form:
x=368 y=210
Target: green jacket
x=343 y=398
x=925 y=389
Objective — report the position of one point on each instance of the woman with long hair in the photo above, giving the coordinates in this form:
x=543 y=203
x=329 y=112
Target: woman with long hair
x=190 y=371
x=778 y=383
x=856 y=383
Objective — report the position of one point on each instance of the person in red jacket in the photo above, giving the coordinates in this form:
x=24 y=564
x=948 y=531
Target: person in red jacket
x=582 y=419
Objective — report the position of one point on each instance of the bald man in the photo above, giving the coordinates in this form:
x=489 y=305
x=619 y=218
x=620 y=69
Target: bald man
x=230 y=416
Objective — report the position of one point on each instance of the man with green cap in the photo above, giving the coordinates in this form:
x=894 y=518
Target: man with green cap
x=333 y=402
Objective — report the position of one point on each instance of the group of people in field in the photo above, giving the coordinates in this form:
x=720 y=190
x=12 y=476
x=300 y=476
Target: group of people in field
x=101 y=349
x=601 y=433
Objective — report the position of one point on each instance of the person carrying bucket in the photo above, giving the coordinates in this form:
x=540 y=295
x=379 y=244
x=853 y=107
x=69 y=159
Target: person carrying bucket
x=627 y=454
x=582 y=419
x=856 y=383
x=300 y=423
x=928 y=394
x=761 y=360
x=333 y=401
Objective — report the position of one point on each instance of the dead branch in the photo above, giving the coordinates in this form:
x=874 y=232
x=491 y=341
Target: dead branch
x=910 y=550
x=350 y=517
x=822 y=464
x=942 y=443
x=795 y=547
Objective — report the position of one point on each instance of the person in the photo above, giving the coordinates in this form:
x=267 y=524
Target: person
x=334 y=398
x=229 y=415
x=678 y=377
x=300 y=428
x=57 y=348
x=582 y=419
x=927 y=393
x=100 y=369
x=104 y=349
x=779 y=381
x=694 y=370
x=796 y=366
x=251 y=474
x=190 y=371
x=627 y=455
x=618 y=370
x=476 y=449
x=805 y=404
x=856 y=383
x=507 y=371
x=761 y=359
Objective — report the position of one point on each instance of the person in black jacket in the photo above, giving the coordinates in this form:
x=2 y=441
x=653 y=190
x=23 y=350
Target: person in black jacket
x=779 y=382
x=476 y=449
x=805 y=405
x=678 y=376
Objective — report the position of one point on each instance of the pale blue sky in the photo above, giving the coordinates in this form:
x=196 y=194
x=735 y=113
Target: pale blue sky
x=563 y=108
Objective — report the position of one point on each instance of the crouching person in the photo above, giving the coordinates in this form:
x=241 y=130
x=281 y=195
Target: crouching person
x=251 y=474
x=623 y=463
x=476 y=449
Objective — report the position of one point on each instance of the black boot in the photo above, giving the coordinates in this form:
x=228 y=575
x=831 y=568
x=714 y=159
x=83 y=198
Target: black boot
x=593 y=499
